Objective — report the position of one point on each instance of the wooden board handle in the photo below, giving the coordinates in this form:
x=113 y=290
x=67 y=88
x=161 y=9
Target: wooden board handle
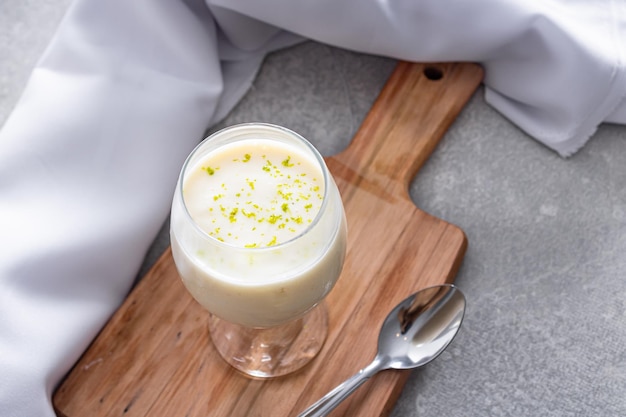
x=419 y=101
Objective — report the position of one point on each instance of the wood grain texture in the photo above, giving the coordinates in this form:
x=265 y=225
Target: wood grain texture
x=154 y=357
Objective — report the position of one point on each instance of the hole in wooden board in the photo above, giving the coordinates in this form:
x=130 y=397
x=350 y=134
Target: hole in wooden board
x=433 y=73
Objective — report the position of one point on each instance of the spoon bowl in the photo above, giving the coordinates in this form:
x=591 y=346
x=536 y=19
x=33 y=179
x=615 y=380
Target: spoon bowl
x=414 y=333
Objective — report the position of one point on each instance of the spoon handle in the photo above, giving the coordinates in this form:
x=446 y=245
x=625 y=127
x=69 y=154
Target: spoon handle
x=334 y=397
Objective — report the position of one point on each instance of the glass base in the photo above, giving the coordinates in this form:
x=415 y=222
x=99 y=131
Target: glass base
x=274 y=351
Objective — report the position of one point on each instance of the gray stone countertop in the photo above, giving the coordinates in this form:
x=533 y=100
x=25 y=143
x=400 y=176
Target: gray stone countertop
x=545 y=270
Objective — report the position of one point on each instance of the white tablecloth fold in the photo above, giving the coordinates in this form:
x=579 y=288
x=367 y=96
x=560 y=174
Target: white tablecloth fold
x=90 y=155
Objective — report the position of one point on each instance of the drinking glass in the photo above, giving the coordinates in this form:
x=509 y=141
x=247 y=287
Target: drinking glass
x=267 y=315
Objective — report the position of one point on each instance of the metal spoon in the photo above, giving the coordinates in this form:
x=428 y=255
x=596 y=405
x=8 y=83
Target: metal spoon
x=415 y=332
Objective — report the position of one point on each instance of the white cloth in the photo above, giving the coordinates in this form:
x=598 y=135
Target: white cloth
x=89 y=157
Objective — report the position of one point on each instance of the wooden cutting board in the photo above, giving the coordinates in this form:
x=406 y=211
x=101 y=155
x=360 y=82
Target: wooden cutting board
x=154 y=357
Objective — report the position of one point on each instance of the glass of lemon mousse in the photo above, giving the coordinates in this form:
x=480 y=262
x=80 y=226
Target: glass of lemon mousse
x=258 y=235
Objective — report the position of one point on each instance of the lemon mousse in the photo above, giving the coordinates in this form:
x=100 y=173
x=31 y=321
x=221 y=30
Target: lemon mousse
x=258 y=230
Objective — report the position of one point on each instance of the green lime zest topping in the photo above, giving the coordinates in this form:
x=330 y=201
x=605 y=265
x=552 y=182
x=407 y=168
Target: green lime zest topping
x=274 y=218
x=233 y=215
x=286 y=162
x=248 y=214
x=285 y=196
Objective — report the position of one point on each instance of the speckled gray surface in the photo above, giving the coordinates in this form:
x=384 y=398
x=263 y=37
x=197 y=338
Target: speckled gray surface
x=545 y=271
